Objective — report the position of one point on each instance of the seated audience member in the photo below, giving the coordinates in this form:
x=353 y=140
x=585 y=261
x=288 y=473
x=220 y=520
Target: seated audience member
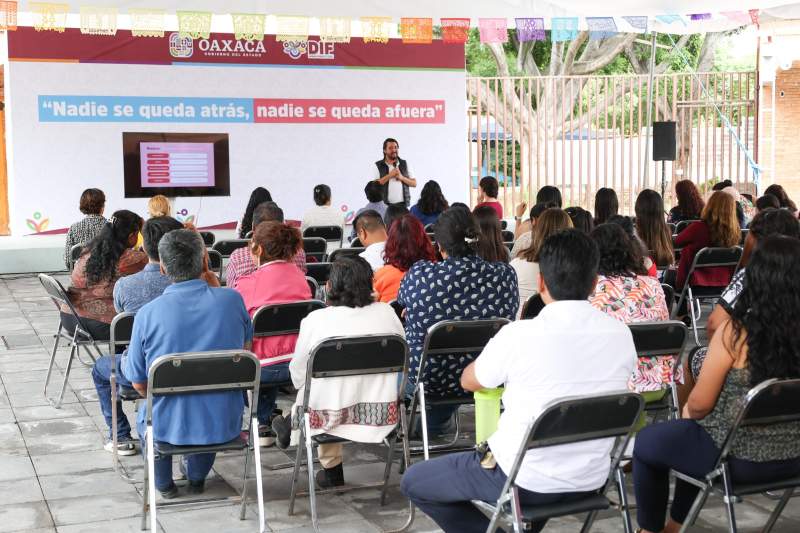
x=579 y=351
x=209 y=319
x=241 y=261
x=717 y=227
x=490 y=242
x=737 y=198
x=130 y=294
x=606 y=205
x=372 y=234
x=108 y=257
x=766 y=223
x=581 y=219
x=526 y=264
x=407 y=243
x=158 y=206
x=374 y=193
x=783 y=198
x=393 y=212
x=720 y=185
x=322 y=214
x=351 y=312
x=759 y=342
x=690 y=203
x=522 y=239
x=624 y=291
x=277 y=280
x=547 y=195
x=767 y=201
x=461 y=287
x=257 y=197
x=92 y=204
x=430 y=205
x=626 y=223
x=488 y=189
x=651 y=228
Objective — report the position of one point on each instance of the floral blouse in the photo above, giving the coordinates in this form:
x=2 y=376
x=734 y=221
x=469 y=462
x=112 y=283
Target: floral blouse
x=466 y=288
x=637 y=299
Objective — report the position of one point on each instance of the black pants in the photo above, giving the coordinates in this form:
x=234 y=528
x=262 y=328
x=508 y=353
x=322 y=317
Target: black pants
x=100 y=331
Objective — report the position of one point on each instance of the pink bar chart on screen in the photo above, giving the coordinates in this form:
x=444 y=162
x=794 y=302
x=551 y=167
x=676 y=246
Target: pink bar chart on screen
x=166 y=164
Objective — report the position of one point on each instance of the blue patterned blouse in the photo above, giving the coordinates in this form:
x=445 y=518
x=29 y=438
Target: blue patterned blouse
x=467 y=288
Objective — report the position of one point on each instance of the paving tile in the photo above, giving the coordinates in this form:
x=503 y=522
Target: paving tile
x=209 y=520
x=20 y=491
x=71 y=463
x=330 y=509
x=15 y=467
x=46 y=428
x=120 y=525
x=7 y=416
x=89 y=484
x=26 y=517
x=97 y=508
x=11 y=441
x=48 y=412
x=70 y=442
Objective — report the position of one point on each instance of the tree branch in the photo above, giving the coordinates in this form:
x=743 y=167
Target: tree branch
x=602 y=56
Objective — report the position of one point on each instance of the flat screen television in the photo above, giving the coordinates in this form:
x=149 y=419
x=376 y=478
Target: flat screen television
x=176 y=164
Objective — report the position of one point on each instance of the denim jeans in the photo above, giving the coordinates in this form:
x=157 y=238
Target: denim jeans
x=197 y=465
x=438 y=415
x=101 y=374
x=266 y=395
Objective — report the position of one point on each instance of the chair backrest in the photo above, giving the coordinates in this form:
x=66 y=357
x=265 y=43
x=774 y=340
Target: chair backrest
x=315 y=247
x=431 y=235
x=429 y=228
x=208 y=238
x=715 y=257
x=508 y=236
x=121 y=331
x=313 y=286
x=215 y=261
x=227 y=246
x=669 y=295
x=198 y=372
x=319 y=271
x=744 y=236
x=248 y=235
x=75 y=254
x=54 y=290
x=358 y=356
x=398 y=309
x=356 y=243
x=461 y=336
x=682 y=225
x=533 y=306
x=673 y=228
x=344 y=252
x=329 y=233
x=666 y=337
x=282 y=319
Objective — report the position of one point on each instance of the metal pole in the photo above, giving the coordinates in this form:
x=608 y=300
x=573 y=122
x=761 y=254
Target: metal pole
x=650 y=110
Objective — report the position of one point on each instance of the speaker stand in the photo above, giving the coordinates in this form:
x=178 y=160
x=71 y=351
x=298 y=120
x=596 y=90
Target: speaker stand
x=663 y=180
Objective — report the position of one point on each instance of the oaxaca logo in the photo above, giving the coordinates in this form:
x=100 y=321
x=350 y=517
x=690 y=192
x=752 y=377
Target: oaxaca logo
x=314 y=49
x=180 y=46
x=231 y=48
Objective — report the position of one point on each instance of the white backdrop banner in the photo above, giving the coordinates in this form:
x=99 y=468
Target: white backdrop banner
x=296 y=114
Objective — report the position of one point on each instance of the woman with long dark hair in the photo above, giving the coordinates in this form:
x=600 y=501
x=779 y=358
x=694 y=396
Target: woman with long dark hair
x=258 y=196
x=406 y=244
x=760 y=342
x=690 y=203
x=652 y=229
x=490 y=243
x=606 y=205
x=108 y=257
x=783 y=198
x=430 y=205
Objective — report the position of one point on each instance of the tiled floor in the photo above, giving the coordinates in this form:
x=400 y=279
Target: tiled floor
x=55 y=475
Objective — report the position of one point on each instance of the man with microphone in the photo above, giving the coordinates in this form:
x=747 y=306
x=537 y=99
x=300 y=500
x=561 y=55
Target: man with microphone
x=394 y=175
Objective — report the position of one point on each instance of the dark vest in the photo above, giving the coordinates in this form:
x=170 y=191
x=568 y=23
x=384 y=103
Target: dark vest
x=383 y=169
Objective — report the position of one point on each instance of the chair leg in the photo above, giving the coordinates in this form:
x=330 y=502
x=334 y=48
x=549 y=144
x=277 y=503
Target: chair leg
x=296 y=475
x=148 y=436
x=623 y=505
x=695 y=317
x=423 y=418
x=729 y=498
x=405 y=461
x=145 y=494
x=587 y=524
x=52 y=360
x=243 y=506
x=312 y=492
x=56 y=402
x=262 y=523
x=776 y=513
x=516 y=510
x=697 y=506
x=388 y=470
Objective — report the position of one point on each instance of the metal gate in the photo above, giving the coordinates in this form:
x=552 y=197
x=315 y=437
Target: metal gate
x=581 y=133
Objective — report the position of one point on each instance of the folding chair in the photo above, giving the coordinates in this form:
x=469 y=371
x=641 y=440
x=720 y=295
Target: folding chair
x=227 y=246
x=75 y=254
x=666 y=337
x=673 y=228
x=398 y=310
x=356 y=243
x=319 y=271
x=669 y=296
x=329 y=233
x=338 y=357
x=315 y=247
x=430 y=228
x=215 y=262
x=508 y=236
x=79 y=338
x=682 y=225
x=694 y=294
x=768 y=403
x=208 y=237
x=191 y=373
x=313 y=286
x=431 y=235
x=448 y=337
x=533 y=306
x=569 y=421
x=344 y=252
x=121 y=332
x=744 y=236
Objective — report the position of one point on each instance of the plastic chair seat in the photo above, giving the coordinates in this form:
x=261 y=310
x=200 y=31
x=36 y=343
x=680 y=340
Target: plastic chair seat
x=758 y=488
x=450 y=400
x=164 y=448
x=536 y=513
x=127 y=394
x=324 y=438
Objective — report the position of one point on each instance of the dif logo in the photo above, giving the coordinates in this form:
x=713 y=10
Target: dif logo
x=314 y=49
x=180 y=47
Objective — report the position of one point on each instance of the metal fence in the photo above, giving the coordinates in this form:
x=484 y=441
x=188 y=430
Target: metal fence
x=582 y=133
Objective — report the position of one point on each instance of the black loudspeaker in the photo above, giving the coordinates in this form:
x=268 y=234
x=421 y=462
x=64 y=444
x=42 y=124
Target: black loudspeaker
x=664 y=141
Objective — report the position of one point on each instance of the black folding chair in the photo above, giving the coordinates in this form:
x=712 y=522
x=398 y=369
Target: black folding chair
x=192 y=373
x=744 y=236
x=227 y=246
x=248 y=235
x=329 y=233
x=75 y=254
x=431 y=235
x=669 y=296
x=767 y=404
x=78 y=338
x=356 y=243
x=682 y=225
x=429 y=228
x=319 y=271
x=208 y=238
x=695 y=295
x=341 y=357
x=664 y=338
x=121 y=331
x=508 y=236
x=398 y=310
x=533 y=306
x=315 y=247
x=344 y=252
x=313 y=286
x=569 y=421
x=215 y=262
x=445 y=338
x=673 y=228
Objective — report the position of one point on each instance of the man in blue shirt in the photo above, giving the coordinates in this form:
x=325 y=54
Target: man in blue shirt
x=130 y=294
x=189 y=316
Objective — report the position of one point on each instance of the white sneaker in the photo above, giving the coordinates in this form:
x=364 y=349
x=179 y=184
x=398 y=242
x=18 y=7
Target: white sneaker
x=124 y=447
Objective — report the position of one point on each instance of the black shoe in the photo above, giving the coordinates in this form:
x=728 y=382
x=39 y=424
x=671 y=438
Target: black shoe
x=196 y=487
x=328 y=478
x=283 y=431
x=266 y=437
x=170 y=492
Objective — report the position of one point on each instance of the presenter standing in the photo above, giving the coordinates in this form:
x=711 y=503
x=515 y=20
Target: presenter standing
x=394 y=175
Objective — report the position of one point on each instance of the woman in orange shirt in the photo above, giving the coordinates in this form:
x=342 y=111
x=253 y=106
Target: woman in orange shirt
x=406 y=244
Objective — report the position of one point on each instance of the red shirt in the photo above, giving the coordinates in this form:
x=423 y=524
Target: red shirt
x=691 y=240
x=497 y=206
x=277 y=282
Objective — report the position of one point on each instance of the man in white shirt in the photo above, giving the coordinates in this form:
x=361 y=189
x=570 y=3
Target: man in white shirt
x=394 y=175
x=371 y=231
x=570 y=349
